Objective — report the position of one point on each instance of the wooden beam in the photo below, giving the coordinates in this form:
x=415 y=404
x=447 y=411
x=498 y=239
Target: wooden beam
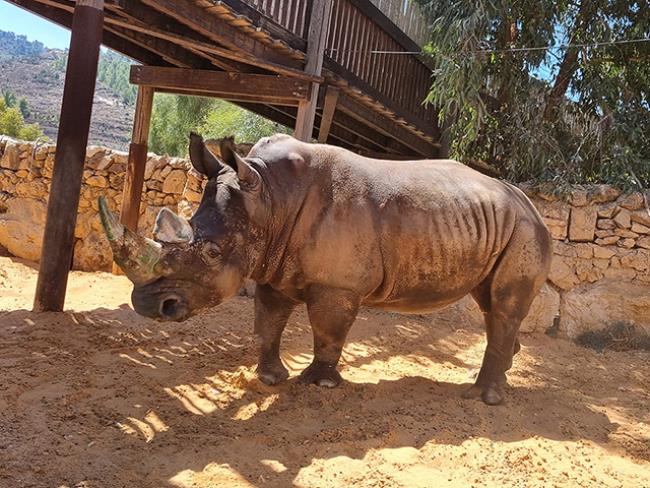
x=269 y=25
x=64 y=19
x=134 y=181
x=229 y=86
x=207 y=24
x=321 y=11
x=63 y=202
x=385 y=126
x=137 y=161
x=329 y=107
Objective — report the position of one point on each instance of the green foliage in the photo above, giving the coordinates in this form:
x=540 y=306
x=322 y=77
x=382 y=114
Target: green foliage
x=9 y=98
x=226 y=119
x=573 y=115
x=113 y=71
x=174 y=117
x=13 y=124
x=23 y=106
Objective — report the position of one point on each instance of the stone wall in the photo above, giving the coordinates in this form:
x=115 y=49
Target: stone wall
x=601 y=262
x=600 y=275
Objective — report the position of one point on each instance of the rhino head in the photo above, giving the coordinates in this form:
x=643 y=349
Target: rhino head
x=198 y=263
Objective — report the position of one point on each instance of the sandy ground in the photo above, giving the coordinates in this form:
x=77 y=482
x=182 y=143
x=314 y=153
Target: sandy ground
x=100 y=397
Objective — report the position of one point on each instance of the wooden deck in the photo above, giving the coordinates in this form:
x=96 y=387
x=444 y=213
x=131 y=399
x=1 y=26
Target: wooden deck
x=375 y=98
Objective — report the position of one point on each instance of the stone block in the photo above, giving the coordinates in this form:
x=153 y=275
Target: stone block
x=607 y=210
x=601 y=252
x=626 y=243
x=631 y=201
x=583 y=224
x=640 y=228
x=562 y=273
x=174 y=182
x=606 y=224
x=641 y=217
x=11 y=157
x=603 y=194
x=623 y=219
x=607 y=241
x=595 y=307
x=643 y=242
x=626 y=233
x=22 y=226
x=638 y=259
x=93 y=253
x=97 y=181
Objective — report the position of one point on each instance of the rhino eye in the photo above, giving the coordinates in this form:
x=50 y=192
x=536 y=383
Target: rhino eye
x=210 y=253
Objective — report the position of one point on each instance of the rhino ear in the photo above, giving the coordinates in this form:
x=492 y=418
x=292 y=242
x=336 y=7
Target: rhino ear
x=202 y=159
x=249 y=178
x=171 y=228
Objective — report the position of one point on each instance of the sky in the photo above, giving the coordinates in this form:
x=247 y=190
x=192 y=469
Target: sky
x=20 y=21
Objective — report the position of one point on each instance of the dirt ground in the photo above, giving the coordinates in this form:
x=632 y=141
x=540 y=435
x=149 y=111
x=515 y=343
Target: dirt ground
x=99 y=397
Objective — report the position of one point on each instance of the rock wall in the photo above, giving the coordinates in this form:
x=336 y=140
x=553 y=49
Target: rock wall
x=601 y=262
x=600 y=275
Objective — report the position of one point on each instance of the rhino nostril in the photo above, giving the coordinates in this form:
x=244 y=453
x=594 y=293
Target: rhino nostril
x=173 y=308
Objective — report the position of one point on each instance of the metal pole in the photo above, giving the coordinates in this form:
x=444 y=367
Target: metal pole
x=74 y=124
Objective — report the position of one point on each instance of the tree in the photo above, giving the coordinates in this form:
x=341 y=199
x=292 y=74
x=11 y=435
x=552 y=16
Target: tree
x=174 y=117
x=23 y=106
x=12 y=124
x=226 y=119
x=9 y=98
x=565 y=113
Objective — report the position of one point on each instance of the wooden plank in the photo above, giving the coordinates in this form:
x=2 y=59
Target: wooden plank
x=329 y=107
x=186 y=12
x=316 y=41
x=264 y=22
x=229 y=86
x=430 y=128
x=385 y=126
x=63 y=203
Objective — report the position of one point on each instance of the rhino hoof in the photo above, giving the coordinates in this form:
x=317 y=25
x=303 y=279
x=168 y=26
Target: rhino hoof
x=272 y=376
x=321 y=374
x=491 y=395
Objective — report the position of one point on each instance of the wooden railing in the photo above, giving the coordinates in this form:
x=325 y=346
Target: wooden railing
x=290 y=14
x=362 y=46
x=406 y=15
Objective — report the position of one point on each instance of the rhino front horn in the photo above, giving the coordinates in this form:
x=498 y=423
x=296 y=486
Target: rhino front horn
x=136 y=255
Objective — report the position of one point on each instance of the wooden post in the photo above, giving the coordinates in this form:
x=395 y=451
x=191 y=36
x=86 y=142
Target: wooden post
x=134 y=180
x=316 y=40
x=329 y=107
x=74 y=124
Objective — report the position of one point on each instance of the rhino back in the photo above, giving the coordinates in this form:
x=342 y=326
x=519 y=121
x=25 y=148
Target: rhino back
x=405 y=235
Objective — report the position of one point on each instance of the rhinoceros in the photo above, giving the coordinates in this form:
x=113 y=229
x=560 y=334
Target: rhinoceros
x=320 y=225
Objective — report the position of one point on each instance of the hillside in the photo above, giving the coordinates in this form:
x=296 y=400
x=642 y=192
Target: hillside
x=37 y=73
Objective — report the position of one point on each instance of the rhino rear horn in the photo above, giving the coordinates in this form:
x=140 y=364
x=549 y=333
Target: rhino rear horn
x=136 y=255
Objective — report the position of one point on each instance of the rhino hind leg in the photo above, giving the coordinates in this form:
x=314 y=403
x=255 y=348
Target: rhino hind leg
x=505 y=298
x=331 y=314
x=272 y=311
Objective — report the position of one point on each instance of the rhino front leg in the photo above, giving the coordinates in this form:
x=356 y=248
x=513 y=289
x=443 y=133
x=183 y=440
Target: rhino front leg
x=331 y=313
x=272 y=311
